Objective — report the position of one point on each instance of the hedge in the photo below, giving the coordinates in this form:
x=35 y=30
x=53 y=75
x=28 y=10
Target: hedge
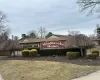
x=92 y=56
x=33 y=52
x=25 y=53
x=96 y=51
x=72 y=55
x=61 y=52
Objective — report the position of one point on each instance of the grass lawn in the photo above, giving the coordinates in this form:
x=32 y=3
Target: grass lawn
x=42 y=70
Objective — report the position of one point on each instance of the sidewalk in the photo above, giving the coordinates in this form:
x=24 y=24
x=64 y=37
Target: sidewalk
x=1 y=78
x=92 y=76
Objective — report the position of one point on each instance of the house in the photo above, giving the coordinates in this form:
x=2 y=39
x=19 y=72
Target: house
x=79 y=42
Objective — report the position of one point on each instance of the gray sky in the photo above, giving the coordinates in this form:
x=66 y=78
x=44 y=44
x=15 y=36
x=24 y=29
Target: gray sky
x=57 y=16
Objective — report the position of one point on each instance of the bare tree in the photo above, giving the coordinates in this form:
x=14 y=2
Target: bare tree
x=4 y=36
x=2 y=17
x=92 y=36
x=4 y=30
x=16 y=38
x=24 y=36
x=32 y=34
x=91 y=5
x=42 y=32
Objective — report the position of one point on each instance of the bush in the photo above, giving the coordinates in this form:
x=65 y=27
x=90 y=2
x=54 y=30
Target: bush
x=92 y=56
x=72 y=55
x=25 y=53
x=33 y=52
x=95 y=52
x=51 y=52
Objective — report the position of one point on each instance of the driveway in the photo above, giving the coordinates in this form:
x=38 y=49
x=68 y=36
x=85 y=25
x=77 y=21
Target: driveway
x=92 y=76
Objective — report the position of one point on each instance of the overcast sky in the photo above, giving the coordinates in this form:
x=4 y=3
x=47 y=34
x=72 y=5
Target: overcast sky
x=57 y=16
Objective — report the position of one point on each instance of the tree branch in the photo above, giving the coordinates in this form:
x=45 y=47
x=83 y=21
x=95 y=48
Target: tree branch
x=88 y=4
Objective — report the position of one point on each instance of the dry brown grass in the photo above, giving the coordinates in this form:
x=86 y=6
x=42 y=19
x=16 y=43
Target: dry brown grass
x=42 y=70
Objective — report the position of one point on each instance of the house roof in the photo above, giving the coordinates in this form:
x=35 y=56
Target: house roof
x=72 y=41
x=96 y=39
x=31 y=40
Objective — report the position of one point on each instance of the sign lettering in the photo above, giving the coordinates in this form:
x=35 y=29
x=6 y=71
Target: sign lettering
x=53 y=45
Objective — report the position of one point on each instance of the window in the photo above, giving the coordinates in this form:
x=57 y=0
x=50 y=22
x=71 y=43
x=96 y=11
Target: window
x=35 y=45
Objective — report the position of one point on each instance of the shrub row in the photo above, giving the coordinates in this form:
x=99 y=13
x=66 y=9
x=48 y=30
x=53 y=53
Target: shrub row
x=95 y=51
x=94 y=55
x=26 y=53
x=72 y=55
x=59 y=52
x=33 y=52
